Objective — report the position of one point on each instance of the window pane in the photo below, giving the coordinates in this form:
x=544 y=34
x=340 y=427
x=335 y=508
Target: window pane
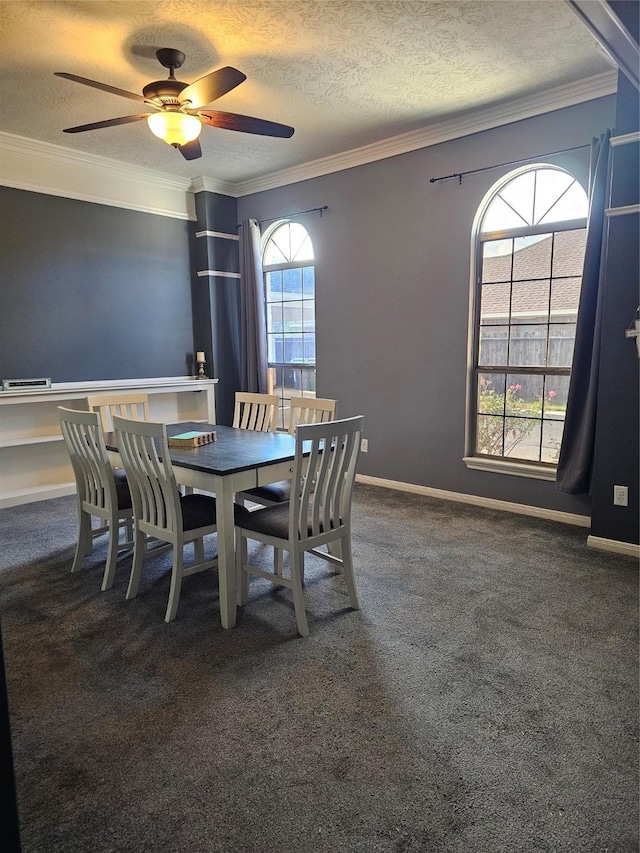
x=565 y=296
x=275 y=348
x=528 y=345
x=300 y=243
x=292 y=348
x=292 y=382
x=572 y=205
x=550 y=186
x=494 y=303
x=489 y=435
x=555 y=397
x=274 y=286
x=500 y=216
x=551 y=440
x=309 y=349
x=491 y=393
x=568 y=252
x=532 y=257
x=530 y=301
x=496 y=260
x=561 y=340
x=273 y=254
x=292 y=314
x=274 y=317
x=308 y=282
x=524 y=395
x=518 y=194
x=522 y=438
x=291 y=284
x=308 y=316
x=493 y=345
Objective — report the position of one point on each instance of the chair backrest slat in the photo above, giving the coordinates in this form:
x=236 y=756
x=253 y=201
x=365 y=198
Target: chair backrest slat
x=83 y=436
x=144 y=450
x=310 y=410
x=132 y=406
x=255 y=411
x=325 y=477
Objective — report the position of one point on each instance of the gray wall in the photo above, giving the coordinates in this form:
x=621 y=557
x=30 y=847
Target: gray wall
x=392 y=273
x=91 y=292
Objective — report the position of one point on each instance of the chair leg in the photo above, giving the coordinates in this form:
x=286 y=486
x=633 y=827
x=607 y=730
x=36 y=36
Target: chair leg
x=112 y=554
x=349 y=577
x=85 y=540
x=335 y=549
x=296 y=565
x=198 y=551
x=176 y=582
x=242 y=578
x=138 y=558
x=278 y=561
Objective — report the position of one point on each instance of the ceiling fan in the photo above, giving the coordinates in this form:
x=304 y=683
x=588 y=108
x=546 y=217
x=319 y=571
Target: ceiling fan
x=179 y=115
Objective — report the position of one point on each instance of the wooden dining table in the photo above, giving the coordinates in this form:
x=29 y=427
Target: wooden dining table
x=237 y=460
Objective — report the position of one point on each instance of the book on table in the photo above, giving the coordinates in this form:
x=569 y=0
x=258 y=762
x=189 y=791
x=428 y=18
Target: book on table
x=193 y=438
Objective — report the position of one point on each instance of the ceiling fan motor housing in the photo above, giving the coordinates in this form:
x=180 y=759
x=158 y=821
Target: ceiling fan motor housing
x=166 y=91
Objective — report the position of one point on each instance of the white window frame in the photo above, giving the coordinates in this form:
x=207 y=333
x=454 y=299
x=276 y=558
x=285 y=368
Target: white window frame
x=518 y=468
x=296 y=264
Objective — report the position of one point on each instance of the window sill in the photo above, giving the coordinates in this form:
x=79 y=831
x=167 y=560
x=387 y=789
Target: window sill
x=515 y=469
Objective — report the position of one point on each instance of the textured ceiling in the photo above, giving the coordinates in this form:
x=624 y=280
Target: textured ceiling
x=344 y=73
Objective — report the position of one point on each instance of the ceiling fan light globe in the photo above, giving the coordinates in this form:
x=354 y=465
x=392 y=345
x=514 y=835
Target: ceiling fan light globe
x=174 y=128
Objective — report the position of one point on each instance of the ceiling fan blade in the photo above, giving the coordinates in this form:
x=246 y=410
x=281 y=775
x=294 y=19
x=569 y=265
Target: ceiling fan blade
x=191 y=150
x=105 y=88
x=211 y=87
x=111 y=122
x=245 y=124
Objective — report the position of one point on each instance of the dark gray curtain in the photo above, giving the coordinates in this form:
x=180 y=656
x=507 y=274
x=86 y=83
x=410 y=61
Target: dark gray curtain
x=576 y=452
x=253 y=359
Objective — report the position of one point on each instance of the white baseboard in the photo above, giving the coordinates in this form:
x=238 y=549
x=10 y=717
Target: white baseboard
x=614 y=545
x=36 y=493
x=477 y=500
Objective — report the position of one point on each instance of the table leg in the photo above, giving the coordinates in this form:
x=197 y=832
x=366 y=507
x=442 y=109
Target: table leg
x=226 y=552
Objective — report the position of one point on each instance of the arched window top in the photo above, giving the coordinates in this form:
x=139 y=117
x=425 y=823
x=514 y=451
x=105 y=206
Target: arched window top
x=287 y=243
x=533 y=198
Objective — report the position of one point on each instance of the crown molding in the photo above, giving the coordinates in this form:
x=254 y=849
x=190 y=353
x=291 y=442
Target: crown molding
x=463 y=125
x=30 y=164
x=37 y=166
x=213 y=185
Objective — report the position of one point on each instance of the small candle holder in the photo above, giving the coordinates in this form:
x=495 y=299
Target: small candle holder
x=200 y=359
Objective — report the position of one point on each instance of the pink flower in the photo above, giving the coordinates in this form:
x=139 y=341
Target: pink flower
x=515 y=387
x=552 y=394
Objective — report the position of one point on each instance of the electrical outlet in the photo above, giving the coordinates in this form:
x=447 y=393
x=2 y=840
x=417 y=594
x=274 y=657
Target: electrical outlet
x=621 y=495
x=364 y=445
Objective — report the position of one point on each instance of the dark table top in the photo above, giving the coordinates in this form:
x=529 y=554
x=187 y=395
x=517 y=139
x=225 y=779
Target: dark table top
x=233 y=450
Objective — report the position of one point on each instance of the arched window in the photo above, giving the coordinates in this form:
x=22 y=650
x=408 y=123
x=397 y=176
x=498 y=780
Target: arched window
x=289 y=285
x=529 y=249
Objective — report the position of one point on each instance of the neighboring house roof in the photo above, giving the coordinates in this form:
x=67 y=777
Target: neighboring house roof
x=528 y=291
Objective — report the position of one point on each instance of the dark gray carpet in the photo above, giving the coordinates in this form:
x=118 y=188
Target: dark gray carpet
x=485 y=699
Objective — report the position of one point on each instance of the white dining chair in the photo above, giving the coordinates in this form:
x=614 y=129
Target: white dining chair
x=132 y=406
x=255 y=411
x=318 y=513
x=98 y=493
x=160 y=511
x=303 y=410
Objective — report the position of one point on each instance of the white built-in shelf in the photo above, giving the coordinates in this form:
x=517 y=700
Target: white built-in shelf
x=34 y=462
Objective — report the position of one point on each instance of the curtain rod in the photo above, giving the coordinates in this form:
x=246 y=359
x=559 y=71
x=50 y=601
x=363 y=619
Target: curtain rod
x=290 y=215
x=459 y=175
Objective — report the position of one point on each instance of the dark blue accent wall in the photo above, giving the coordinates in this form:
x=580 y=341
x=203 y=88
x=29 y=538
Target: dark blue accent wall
x=90 y=292
x=216 y=298
x=616 y=458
